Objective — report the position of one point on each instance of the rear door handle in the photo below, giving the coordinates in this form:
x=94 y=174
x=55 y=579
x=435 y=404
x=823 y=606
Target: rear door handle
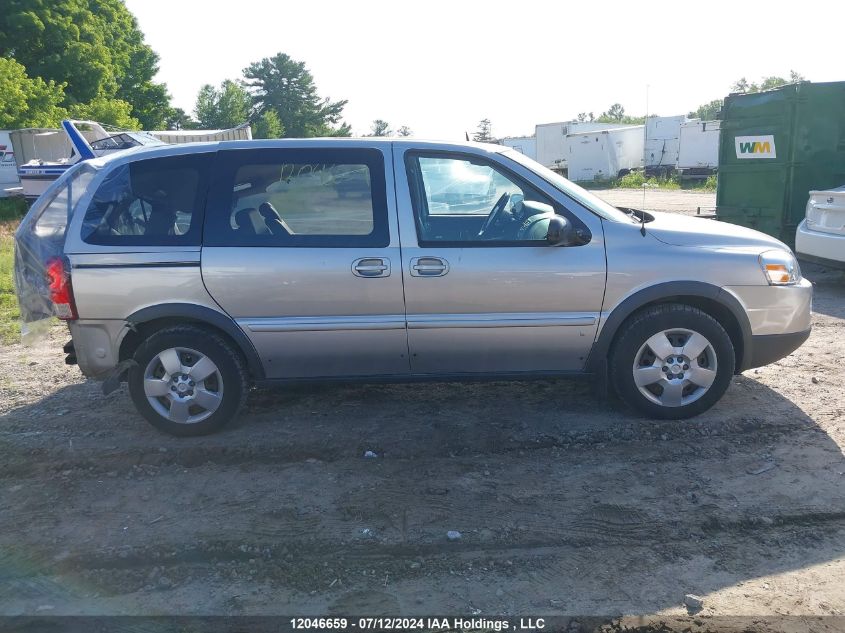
x=429 y=267
x=371 y=267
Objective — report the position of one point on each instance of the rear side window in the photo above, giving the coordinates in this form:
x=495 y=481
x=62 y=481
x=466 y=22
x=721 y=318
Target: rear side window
x=153 y=202
x=307 y=198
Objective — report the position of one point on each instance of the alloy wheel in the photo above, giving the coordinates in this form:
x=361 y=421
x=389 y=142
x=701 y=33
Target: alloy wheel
x=675 y=367
x=183 y=385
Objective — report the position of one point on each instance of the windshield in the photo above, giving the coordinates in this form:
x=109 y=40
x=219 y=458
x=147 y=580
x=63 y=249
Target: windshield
x=580 y=195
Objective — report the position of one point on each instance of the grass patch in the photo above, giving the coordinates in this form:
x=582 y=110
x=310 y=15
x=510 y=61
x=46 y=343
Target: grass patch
x=12 y=209
x=638 y=180
x=9 y=314
x=709 y=184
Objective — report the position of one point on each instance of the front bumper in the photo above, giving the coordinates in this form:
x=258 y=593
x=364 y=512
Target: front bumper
x=768 y=348
x=776 y=309
x=780 y=318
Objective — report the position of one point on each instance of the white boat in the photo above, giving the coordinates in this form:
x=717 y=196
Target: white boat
x=45 y=154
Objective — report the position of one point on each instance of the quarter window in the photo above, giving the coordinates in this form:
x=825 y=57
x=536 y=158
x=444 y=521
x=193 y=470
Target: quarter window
x=300 y=198
x=153 y=202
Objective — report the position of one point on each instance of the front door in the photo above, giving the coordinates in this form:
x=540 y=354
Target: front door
x=485 y=292
x=301 y=248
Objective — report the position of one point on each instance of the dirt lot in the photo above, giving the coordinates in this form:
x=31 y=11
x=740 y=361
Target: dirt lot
x=565 y=504
x=679 y=201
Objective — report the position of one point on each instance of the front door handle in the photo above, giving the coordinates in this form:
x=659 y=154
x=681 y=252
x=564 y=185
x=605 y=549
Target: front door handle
x=371 y=267
x=429 y=267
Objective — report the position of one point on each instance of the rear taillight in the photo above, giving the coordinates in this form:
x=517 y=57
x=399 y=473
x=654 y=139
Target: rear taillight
x=61 y=291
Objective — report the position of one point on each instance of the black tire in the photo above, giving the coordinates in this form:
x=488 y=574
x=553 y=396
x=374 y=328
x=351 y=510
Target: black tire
x=641 y=326
x=228 y=361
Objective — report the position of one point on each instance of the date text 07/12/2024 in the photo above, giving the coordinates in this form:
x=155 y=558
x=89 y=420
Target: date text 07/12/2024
x=416 y=624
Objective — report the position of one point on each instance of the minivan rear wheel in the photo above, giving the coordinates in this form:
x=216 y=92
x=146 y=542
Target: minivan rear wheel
x=188 y=381
x=671 y=361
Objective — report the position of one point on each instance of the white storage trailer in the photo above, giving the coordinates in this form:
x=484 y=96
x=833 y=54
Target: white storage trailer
x=8 y=166
x=242 y=132
x=698 y=155
x=605 y=154
x=552 y=151
x=524 y=144
x=662 y=143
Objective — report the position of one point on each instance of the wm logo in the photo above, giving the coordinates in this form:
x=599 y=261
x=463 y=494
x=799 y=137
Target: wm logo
x=755 y=147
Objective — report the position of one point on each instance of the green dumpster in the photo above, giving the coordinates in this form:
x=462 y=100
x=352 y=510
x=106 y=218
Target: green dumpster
x=776 y=146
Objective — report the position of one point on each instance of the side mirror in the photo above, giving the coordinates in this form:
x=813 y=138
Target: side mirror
x=561 y=232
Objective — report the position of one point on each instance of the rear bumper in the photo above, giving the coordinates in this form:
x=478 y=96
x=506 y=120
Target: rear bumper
x=768 y=348
x=827 y=249
x=95 y=345
x=821 y=261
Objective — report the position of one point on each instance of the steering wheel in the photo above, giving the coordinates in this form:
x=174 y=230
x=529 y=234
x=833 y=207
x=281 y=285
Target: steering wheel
x=495 y=212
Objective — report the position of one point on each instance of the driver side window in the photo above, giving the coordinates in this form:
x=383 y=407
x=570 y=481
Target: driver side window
x=464 y=201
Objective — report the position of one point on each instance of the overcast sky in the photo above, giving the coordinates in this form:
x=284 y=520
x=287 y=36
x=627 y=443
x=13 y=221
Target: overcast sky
x=441 y=66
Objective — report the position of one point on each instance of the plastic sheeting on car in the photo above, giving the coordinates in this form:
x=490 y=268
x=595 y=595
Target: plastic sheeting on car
x=40 y=238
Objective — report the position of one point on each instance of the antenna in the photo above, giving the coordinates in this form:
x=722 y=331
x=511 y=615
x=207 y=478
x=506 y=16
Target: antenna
x=645 y=145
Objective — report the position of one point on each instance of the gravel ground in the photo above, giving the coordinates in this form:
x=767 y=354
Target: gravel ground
x=565 y=504
x=680 y=201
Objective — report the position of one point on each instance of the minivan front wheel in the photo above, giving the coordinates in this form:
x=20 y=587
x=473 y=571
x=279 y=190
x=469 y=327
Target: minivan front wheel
x=188 y=381
x=672 y=361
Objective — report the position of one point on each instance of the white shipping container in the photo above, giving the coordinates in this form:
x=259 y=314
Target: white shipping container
x=242 y=132
x=8 y=166
x=699 y=150
x=524 y=144
x=552 y=151
x=605 y=154
x=662 y=142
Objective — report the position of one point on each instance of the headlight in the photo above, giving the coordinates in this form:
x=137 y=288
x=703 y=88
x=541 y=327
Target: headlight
x=780 y=267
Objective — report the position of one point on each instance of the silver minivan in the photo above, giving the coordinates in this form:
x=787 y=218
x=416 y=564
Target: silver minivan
x=196 y=271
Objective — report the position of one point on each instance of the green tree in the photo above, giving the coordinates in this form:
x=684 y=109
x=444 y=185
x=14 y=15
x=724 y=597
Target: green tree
x=707 y=111
x=767 y=83
x=110 y=111
x=178 y=119
x=268 y=126
x=484 y=133
x=743 y=86
x=614 y=113
x=286 y=86
x=93 y=46
x=28 y=102
x=380 y=127
x=586 y=116
x=404 y=131
x=224 y=108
